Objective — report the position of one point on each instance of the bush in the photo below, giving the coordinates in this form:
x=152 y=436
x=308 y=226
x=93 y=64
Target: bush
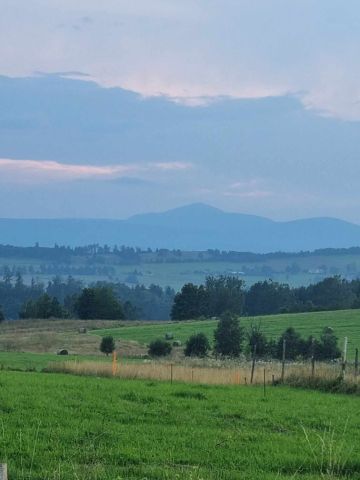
x=197 y=345
x=228 y=336
x=257 y=338
x=295 y=345
x=327 y=348
x=159 y=348
x=107 y=345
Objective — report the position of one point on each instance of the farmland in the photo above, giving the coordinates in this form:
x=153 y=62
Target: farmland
x=344 y=323
x=295 y=270
x=94 y=425
x=64 y=427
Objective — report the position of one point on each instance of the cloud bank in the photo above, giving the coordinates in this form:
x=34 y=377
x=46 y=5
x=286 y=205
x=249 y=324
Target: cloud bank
x=190 y=50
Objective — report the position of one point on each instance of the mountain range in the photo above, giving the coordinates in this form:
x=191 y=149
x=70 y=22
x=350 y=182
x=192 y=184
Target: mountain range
x=192 y=227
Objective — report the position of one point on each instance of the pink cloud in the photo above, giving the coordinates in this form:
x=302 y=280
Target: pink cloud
x=35 y=171
x=172 y=165
x=250 y=194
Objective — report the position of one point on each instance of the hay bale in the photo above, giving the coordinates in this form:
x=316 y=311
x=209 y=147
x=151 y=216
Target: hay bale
x=63 y=352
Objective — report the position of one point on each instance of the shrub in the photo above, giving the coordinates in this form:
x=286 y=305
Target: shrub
x=159 y=348
x=295 y=345
x=257 y=338
x=197 y=345
x=107 y=345
x=328 y=346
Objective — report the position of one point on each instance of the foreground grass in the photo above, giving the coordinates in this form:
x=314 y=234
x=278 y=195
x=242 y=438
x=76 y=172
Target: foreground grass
x=344 y=323
x=38 y=361
x=63 y=427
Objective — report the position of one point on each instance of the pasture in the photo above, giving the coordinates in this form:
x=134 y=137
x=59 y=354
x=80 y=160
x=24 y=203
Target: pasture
x=344 y=323
x=63 y=427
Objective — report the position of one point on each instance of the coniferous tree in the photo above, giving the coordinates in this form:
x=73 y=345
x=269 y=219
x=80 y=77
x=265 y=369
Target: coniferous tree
x=228 y=336
x=107 y=345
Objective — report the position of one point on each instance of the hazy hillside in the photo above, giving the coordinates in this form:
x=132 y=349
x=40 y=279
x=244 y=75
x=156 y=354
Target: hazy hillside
x=193 y=227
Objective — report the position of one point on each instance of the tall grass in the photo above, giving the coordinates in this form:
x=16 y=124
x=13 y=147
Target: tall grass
x=331 y=452
x=326 y=376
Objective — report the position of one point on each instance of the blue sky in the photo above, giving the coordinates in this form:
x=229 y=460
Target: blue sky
x=118 y=107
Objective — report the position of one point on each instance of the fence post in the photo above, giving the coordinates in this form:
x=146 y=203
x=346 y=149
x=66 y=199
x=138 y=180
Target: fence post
x=264 y=382
x=3 y=471
x=114 y=365
x=283 y=361
x=171 y=373
x=253 y=364
x=312 y=367
x=343 y=367
x=356 y=362
x=313 y=358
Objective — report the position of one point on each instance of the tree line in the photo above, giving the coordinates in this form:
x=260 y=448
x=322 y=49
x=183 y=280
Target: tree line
x=130 y=255
x=58 y=298
x=228 y=293
x=216 y=296
x=232 y=340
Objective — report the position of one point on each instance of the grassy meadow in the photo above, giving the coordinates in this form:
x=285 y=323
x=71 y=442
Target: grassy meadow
x=344 y=323
x=83 y=422
x=57 y=426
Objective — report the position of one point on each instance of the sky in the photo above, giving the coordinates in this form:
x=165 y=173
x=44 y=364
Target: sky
x=113 y=108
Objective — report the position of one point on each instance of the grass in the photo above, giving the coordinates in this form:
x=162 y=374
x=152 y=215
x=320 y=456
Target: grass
x=344 y=323
x=327 y=377
x=38 y=361
x=62 y=427
x=50 y=336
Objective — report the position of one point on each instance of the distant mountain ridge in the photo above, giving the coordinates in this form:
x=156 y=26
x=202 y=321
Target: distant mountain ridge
x=192 y=227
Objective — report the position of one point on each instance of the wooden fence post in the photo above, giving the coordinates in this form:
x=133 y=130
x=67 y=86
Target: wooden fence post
x=356 y=362
x=283 y=361
x=343 y=367
x=114 y=365
x=312 y=366
x=264 y=382
x=3 y=471
x=313 y=358
x=253 y=364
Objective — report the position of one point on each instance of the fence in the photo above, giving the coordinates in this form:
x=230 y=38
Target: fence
x=242 y=374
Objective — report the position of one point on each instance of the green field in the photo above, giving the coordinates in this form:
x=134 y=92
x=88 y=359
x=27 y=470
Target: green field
x=55 y=426
x=344 y=323
x=38 y=361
